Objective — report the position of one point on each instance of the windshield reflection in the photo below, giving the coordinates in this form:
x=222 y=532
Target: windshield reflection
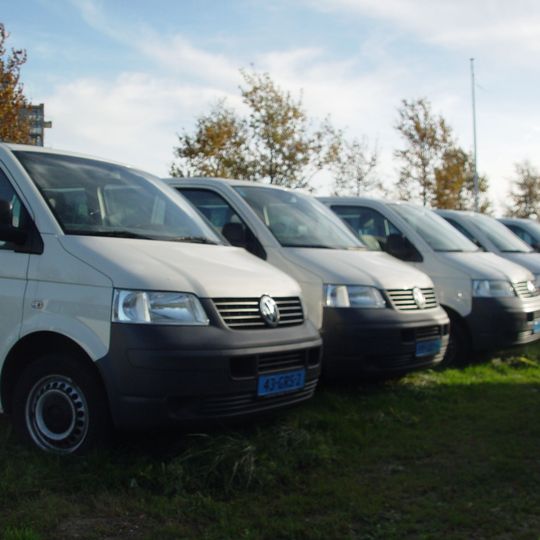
x=298 y=220
x=439 y=234
x=96 y=198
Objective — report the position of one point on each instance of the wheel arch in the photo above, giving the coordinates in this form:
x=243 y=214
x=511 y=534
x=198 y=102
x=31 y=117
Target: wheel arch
x=26 y=350
x=457 y=319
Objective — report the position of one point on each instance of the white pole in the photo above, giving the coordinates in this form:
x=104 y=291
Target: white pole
x=475 y=172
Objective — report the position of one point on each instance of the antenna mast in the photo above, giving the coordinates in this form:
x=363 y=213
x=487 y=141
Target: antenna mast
x=475 y=172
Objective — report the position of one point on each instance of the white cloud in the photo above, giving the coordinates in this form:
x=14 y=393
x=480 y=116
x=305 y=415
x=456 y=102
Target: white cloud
x=177 y=55
x=132 y=119
x=171 y=53
x=512 y=27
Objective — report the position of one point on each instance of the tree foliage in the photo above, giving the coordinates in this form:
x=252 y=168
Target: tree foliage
x=525 y=192
x=425 y=136
x=274 y=143
x=14 y=124
x=355 y=169
x=217 y=148
x=454 y=182
x=434 y=169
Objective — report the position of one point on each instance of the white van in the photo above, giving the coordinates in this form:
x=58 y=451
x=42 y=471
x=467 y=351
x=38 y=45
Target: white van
x=490 y=235
x=377 y=315
x=492 y=302
x=119 y=302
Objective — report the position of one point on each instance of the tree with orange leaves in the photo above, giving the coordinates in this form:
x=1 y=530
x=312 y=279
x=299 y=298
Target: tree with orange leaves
x=14 y=125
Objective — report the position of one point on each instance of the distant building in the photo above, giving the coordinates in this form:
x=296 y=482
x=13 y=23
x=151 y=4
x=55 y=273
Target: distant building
x=36 y=115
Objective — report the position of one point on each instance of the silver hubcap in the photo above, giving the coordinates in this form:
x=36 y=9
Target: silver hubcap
x=57 y=414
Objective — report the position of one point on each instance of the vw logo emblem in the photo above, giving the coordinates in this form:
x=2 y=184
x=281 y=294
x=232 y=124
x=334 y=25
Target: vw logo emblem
x=269 y=310
x=419 y=298
x=531 y=287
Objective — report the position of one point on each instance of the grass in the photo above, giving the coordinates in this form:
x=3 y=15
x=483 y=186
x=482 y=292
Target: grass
x=448 y=454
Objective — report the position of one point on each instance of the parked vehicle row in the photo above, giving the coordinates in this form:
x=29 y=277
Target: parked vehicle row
x=492 y=302
x=126 y=304
x=377 y=315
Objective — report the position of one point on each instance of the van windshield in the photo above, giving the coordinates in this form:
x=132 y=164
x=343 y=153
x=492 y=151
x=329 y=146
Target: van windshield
x=439 y=234
x=96 y=198
x=504 y=239
x=297 y=220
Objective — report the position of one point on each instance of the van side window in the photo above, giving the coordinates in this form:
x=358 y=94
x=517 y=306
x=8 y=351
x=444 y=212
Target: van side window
x=15 y=208
x=224 y=219
x=463 y=230
x=522 y=233
x=369 y=225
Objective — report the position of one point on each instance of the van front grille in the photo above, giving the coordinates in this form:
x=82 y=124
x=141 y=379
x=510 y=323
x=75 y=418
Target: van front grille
x=244 y=313
x=234 y=404
x=428 y=332
x=403 y=299
x=522 y=290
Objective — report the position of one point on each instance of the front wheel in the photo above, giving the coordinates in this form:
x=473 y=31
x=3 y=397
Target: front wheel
x=60 y=406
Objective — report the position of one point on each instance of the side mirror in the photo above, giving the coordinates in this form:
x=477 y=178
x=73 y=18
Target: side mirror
x=400 y=246
x=8 y=233
x=235 y=233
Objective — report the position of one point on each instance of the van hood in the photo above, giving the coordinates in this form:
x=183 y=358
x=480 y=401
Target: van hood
x=358 y=267
x=531 y=261
x=209 y=271
x=480 y=265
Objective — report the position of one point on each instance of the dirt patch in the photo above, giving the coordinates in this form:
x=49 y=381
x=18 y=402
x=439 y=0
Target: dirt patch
x=104 y=528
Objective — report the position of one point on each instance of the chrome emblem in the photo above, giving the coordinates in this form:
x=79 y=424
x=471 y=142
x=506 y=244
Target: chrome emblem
x=419 y=298
x=269 y=310
x=531 y=287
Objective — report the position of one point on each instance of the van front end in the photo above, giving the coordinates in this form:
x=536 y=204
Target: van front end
x=236 y=366
x=505 y=321
x=410 y=332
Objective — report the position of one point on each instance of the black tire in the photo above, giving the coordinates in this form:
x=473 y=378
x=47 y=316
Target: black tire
x=459 y=347
x=60 y=405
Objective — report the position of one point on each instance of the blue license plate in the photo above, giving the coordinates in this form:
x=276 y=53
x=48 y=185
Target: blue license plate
x=536 y=326
x=428 y=348
x=281 y=383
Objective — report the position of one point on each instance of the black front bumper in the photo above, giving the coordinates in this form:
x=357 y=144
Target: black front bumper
x=497 y=323
x=157 y=376
x=380 y=342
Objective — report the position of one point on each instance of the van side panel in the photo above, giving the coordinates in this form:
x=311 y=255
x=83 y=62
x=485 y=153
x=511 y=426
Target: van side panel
x=67 y=296
x=81 y=313
x=12 y=287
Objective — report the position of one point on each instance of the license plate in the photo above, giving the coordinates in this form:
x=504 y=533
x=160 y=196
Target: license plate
x=281 y=383
x=428 y=348
x=536 y=326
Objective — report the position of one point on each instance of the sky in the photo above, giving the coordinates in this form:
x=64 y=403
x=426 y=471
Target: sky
x=120 y=79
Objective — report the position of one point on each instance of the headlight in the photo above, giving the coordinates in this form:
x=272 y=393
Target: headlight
x=142 y=307
x=487 y=288
x=354 y=296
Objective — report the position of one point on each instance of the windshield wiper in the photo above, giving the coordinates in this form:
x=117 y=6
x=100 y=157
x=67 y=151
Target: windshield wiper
x=192 y=239
x=315 y=246
x=114 y=234
x=515 y=251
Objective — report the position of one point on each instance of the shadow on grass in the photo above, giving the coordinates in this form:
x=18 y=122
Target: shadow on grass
x=449 y=453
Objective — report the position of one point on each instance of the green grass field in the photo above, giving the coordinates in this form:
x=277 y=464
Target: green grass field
x=439 y=454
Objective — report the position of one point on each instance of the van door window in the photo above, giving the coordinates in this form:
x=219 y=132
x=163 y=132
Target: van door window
x=369 y=225
x=522 y=233
x=17 y=213
x=224 y=219
x=377 y=232
x=465 y=232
